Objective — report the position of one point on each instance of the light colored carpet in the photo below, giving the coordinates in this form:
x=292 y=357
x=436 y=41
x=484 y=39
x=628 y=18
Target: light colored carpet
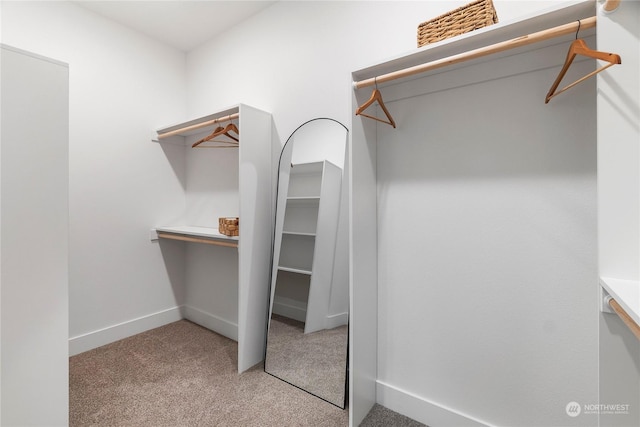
x=379 y=416
x=315 y=362
x=183 y=375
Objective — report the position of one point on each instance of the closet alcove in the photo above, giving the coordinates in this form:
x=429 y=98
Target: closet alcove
x=223 y=280
x=482 y=224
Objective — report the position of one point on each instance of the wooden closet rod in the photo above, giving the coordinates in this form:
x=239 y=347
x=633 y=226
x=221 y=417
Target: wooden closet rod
x=171 y=236
x=199 y=125
x=550 y=33
x=631 y=324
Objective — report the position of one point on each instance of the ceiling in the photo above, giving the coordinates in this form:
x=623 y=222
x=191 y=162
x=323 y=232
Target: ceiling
x=183 y=24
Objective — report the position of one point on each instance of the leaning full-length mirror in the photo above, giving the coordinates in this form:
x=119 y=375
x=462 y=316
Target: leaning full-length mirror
x=308 y=318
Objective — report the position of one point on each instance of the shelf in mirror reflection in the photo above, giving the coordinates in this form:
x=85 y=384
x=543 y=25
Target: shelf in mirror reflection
x=296 y=251
x=299 y=233
x=301 y=216
x=312 y=168
x=303 y=200
x=294 y=270
x=306 y=179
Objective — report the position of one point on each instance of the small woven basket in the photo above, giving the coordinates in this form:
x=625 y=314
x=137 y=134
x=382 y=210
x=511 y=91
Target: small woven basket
x=477 y=14
x=229 y=226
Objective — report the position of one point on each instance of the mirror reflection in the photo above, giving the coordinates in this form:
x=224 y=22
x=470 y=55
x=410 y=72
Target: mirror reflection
x=308 y=318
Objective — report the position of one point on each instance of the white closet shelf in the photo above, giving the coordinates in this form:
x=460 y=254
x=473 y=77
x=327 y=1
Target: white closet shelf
x=189 y=233
x=295 y=270
x=626 y=293
x=179 y=133
x=299 y=233
x=303 y=200
x=301 y=168
x=558 y=14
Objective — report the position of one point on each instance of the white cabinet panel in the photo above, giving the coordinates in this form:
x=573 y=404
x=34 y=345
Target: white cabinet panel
x=34 y=245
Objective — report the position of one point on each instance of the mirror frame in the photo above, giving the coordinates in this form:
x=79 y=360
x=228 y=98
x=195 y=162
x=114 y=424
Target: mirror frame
x=273 y=241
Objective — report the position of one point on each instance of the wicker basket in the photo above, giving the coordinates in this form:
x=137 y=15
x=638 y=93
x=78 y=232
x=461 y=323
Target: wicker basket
x=228 y=226
x=477 y=14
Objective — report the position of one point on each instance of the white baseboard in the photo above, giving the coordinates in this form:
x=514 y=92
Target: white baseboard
x=210 y=321
x=335 y=320
x=91 y=340
x=422 y=410
x=288 y=308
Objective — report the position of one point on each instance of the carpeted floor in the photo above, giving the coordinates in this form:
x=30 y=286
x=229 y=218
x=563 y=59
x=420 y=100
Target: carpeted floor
x=184 y=375
x=315 y=362
x=379 y=416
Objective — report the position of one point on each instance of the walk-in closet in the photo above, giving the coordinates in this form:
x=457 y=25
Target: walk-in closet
x=320 y=213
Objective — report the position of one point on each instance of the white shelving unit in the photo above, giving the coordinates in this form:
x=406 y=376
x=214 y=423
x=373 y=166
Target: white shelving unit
x=306 y=242
x=242 y=189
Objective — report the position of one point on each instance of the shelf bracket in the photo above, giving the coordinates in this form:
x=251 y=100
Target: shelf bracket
x=610 y=302
x=610 y=5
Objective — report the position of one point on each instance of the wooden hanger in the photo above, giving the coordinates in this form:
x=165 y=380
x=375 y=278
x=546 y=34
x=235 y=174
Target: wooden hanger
x=232 y=128
x=218 y=132
x=376 y=96
x=579 y=47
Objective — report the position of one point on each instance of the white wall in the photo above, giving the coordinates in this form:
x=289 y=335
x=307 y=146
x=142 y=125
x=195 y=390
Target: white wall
x=487 y=246
x=211 y=272
x=123 y=86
